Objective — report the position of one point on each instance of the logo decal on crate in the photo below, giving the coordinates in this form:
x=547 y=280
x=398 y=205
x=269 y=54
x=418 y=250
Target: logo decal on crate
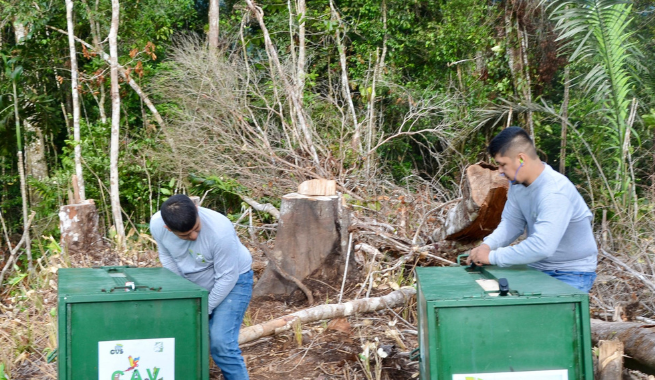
x=147 y=359
x=522 y=375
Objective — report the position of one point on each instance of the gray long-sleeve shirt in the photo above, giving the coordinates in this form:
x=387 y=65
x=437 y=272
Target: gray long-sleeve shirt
x=213 y=261
x=558 y=221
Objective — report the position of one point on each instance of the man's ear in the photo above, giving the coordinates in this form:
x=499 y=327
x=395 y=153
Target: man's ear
x=165 y=226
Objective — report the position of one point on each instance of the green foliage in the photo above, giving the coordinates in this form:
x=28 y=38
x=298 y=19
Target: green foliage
x=598 y=31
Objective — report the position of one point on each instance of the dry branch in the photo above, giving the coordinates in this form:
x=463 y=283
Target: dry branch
x=14 y=251
x=321 y=312
x=267 y=207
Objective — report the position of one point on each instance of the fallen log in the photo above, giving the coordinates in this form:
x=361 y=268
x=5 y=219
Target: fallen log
x=638 y=339
x=484 y=192
x=330 y=311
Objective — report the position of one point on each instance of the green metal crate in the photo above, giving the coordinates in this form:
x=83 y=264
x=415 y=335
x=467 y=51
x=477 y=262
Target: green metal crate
x=540 y=330
x=123 y=323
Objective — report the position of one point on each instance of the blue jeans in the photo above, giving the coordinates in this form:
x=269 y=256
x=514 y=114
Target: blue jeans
x=580 y=280
x=224 y=324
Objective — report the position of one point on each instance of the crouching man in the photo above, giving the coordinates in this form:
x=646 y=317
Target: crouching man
x=202 y=246
x=560 y=240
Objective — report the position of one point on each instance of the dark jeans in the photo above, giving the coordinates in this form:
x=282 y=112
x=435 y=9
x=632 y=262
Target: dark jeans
x=224 y=327
x=580 y=280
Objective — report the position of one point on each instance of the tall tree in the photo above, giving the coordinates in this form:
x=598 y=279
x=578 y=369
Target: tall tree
x=76 y=99
x=214 y=16
x=20 y=32
x=115 y=124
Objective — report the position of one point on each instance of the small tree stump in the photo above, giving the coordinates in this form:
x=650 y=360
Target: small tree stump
x=78 y=224
x=308 y=242
x=484 y=193
x=610 y=360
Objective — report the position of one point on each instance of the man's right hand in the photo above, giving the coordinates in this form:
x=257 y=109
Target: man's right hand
x=479 y=255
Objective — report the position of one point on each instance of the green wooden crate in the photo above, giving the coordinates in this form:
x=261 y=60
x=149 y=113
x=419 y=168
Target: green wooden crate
x=539 y=331
x=124 y=323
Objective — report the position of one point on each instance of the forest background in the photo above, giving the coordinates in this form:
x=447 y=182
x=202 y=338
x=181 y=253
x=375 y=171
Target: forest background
x=238 y=102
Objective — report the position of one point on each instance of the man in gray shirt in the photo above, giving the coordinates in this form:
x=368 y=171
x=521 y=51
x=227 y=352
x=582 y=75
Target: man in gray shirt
x=560 y=240
x=202 y=246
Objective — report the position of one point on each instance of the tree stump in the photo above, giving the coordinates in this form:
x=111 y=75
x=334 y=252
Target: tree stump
x=610 y=360
x=309 y=242
x=484 y=193
x=78 y=224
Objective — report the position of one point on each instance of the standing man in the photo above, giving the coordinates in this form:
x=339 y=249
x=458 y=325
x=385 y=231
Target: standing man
x=560 y=239
x=202 y=246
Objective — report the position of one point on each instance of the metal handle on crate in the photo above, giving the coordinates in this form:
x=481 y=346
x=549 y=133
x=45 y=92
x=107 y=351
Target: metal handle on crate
x=415 y=354
x=459 y=258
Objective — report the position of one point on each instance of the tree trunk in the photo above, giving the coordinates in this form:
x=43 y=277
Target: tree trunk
x=35 y=161
x=302 y=55
x=484 y=193
x=308 y=242
x=356 y=141
x=78 y=224
x=290 y=90
x=95 y=35
x=565 y=121
x=638 y=339
x=115 y=124
x=214 y=14
x=76 y=99
x=366 y=305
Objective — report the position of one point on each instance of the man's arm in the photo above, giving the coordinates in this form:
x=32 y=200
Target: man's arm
x=554 y=216
x=166 y=259
x=226 y=269
x=512 y=224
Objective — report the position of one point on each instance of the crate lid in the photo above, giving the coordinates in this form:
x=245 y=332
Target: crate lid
x=119 y=280
x=453 y=283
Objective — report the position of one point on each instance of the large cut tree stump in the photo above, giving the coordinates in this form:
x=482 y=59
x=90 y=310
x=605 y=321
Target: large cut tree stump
x=309 y=242
x=78 y=224
x=484 y=192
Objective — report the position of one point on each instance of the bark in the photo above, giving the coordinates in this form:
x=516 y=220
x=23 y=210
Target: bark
x=95 y=35
x=484 y=193
x=76 y=99
x=394 y=299
x=610 y=360
x=527 y=86
x=26 y=225
x=308 y=242
x=214 y=14
x=79 y=226
x=302 y=55
x=638 y=339
x=35 y=162
x=115 y=124
x=565 y=121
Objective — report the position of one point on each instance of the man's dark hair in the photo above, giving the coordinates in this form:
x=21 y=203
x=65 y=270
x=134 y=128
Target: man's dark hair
x=514 y=138
x=179 y=213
